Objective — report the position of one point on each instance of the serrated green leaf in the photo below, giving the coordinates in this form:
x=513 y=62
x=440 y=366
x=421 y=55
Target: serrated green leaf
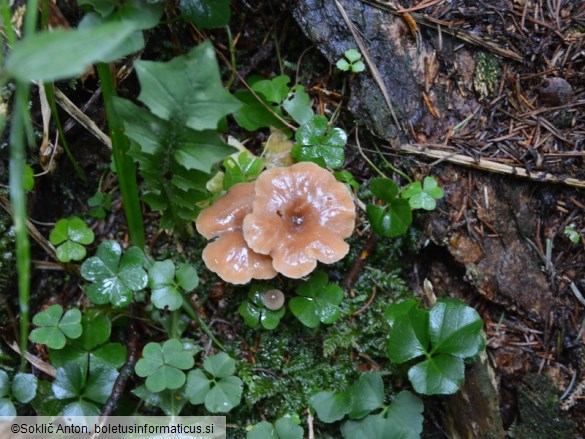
x=207 y=14
x=331 y=406
x=220 y=365
x=187 y=88
x=441 y=374
x=225 y=395
x=63 y=54
x=455 y=329
x=409 y=336
x=366 y=395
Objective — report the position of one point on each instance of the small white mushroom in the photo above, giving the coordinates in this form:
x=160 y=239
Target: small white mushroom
x=273 y=299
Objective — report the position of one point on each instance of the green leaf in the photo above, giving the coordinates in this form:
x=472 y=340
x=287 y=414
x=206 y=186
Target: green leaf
x=319 y=302
x=54 y=326
x=262 y=430
x=343 y=65
x=366 y=395
x=100 y=382
x=317 y=144
x=298 y=105
x=352 y=55
x=287 y=428
x=275 y=90
x=252 y=115
x=391 y=220
x=165 y=292
x=384 y=189
x=103 y=7
x=455 y=329
x=254 y=310
x=187 y=277
x=81 y=408
x=242 y=169
x=347 y=177
x=220 y=365
x=225 y=395
x=207 y=14
x=4 y=384
x=571 y=232
x=28 y=178
x=441 y=374
x=162 y=365
x=100 y=203
x=423 y=196
x=371 y=427
x=405 y=415
x=175 y=161
x=358 y=67
x=409 y=336
x=69 y=381
x=63 y=54
x=71 y=233
x=171 y=402
x=198 y=386
x=115 y=277
x=7 y=408
x=331 y=406
x=187 y=88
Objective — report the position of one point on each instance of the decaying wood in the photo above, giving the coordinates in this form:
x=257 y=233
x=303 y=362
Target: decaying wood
x=487 y=165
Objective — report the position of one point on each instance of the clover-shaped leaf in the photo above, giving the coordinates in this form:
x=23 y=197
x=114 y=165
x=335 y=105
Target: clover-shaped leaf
x=423 y=196
x=115 y=276
x=71 y=234
x=243 y=168
x=171 y=402
x=445 y=335
x=220 y=394
x=351 y=62
x=316 y=143
x=91 y=348
x=167 y=283
x=54 y=326
x=23 y=388
x=254 y=310
x=319 y=301
x=72 y=382
x=100 y=203
x=163 y=365
x=393 y=218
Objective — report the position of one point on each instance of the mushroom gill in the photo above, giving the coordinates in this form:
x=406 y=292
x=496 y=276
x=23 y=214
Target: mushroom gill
x=300 y=215
x=228 y=255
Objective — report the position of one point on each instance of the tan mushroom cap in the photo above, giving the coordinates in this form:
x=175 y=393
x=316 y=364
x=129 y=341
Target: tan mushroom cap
x=301 y=215
x=229 y=256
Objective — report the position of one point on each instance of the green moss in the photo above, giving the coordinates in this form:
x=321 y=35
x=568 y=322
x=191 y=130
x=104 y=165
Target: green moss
x=488 y=70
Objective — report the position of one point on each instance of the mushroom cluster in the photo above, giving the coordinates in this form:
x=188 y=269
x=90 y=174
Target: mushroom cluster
x=285 y=222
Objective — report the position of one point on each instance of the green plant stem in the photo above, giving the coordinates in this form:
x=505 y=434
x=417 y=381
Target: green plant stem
x=398 y=171
x=18 y=199
x=125 y=167
x=174 y=324
x=232 y=58
x=50 y=93
x=191 y=312
x=374 y=167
